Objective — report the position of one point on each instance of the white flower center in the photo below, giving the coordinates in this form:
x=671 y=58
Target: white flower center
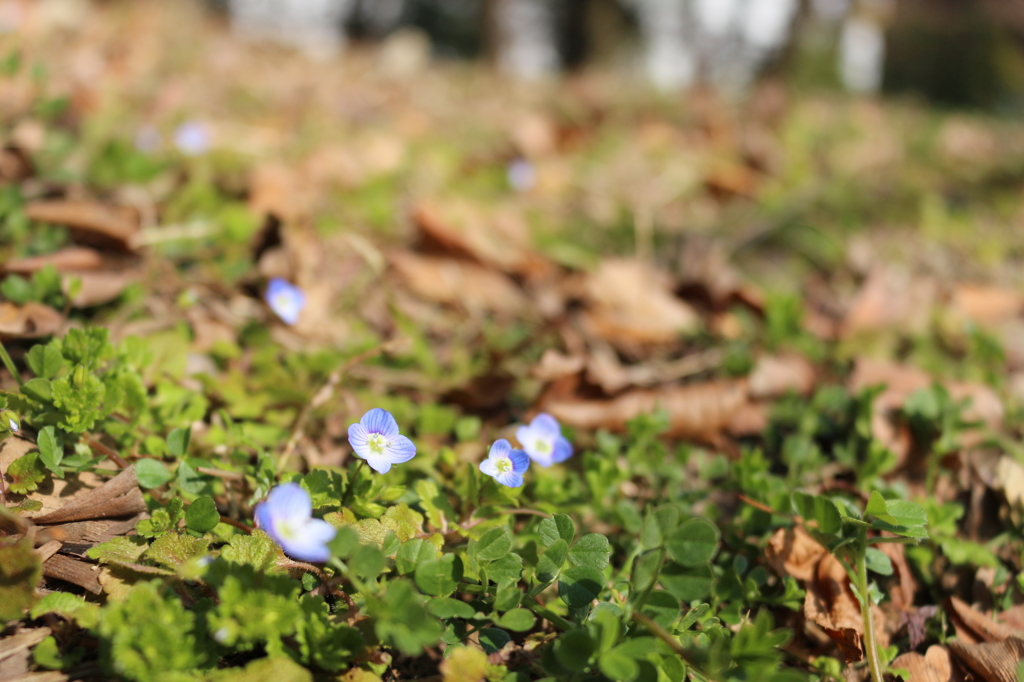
x=289 y=529
x=377 y=443
x=503 y=465
x=542 y=446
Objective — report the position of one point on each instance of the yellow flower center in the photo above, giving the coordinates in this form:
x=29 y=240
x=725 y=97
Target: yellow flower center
x=377 y=444
x=542 y=446
x=503 y=465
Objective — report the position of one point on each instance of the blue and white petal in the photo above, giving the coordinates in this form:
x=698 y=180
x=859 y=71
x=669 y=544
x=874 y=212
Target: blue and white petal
x=510 y=479
x=400 y=449
x=380 y=421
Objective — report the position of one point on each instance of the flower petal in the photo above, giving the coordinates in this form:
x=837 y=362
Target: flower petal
x=520 y=461
x=489 y=467
x=289 y=501
x=510 y=479
x=357 y=438
x=380 y=421
x=379 y=463
x=500 y=448
x=563 y=450
x=400 y=449
x=545 y=424
x=524 y=434
x=310 y=542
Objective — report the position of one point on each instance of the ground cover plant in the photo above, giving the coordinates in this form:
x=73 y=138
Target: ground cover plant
x=319 y=376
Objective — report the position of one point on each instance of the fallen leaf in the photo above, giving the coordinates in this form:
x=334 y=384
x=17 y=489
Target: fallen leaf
x=973 y=626
x=935 y=665
x=461 y=282
x=830 y=604
x=554 y=365
x=792 y=551
x=29 y=321
x=891 y=299
x=698 y=411
x=120 y=496
x=992 y=661
x=903 y=595
x=76 y=258
x=91 y=222
x=15 y=164
x=776 y=375
x=987 y=304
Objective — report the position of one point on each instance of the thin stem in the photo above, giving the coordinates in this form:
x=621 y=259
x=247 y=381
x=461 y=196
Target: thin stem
x=352 y=481
x=870 y=645
x=9 y=364
x=109 y=452
x=666 y=636
x=528 y=512
x=554 y=619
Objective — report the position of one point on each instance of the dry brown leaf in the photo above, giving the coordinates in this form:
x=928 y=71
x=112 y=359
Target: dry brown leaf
x=72 y=258
x=903 y=595
x=792 y=551
x=992 y=661
x=73 y=571
x=120 y=496
x=461 y=282
x=891 y=299
x=972 y=626
x=830 y=604
x=935 y=665
x=30 y=321
x=15 y=164
x=697 y=411
x=1012 y=618
x=90 y=221
x=987 y=304
x=631 y=303
x=775 y=375
x=554 y=365
x=102 y=286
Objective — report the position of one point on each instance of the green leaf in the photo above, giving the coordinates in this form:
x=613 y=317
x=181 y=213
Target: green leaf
x=178 y=440
x=414 y=552
x=80 y=398
x=345 y=542
x=517 y=620
x=579 y=585
x=693 y=543
x=616 y=665
x=51 y=449
x=120 y=550
x=38 y=389
x=550 y=562
x=367 y=561
x=68 y=606
x=819 y=509
x=662 y=607
x=507 y=597
x=592 y=551
x=558 y=526
x=878 y=562
x=493 y=639
x=658 y=524
x=446 y=607
x=876 y=505
x=506 y=569
x=687 y=582
x=494 y=544
x=906 y=513
x=190 y=480
x=45 y=361
x=20 y=572
x=202 y=515
x=152 y=473
x=173 y=549
x=574 y=649
x=645 y=570
x=439 y=577
x=256 y=550
x=26 y=473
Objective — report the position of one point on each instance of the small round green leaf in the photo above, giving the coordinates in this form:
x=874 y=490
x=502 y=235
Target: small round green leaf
x=517 y=620
x=493 y=639
x=202 y=515
x=693 y=543
x=579 y=585
x=446 y=607
x=412 y=553
x=662 y=608
x=550 y=562
x=177 y=441
x=494 y=544
x=367 y=561
x=616 y=665
x=152 y=473
x=591 y=551
x=439 y=577
x=574 y=649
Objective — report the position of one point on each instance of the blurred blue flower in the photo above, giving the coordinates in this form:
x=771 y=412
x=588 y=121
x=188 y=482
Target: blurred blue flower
x=285 y=299
x=192 y=138
x=506 y=465
x=375 y=438
x=543 y=440
x=521 y=175
x=287 y=517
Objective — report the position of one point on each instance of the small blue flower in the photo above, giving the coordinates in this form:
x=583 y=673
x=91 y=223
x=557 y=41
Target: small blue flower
x=543 y=440
x=506 y=465
x=285 y=299
x=521 y=175
x=192 y=138
x=287 y=517
x=13 y=425
x=376 y=439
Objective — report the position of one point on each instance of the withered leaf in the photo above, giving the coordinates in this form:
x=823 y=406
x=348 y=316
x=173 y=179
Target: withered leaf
x=830 y=604
x=451 y=281
x=120 y=496
x=792 y=551
x=30 y=321
x=972 y=626
x=90 y=222
x=992 y=661
x=73 y=571
x=934 y=666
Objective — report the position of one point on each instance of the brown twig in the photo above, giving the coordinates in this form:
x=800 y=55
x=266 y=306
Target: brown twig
x=109 y=452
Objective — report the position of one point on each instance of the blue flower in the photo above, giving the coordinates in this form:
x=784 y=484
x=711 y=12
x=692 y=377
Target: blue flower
x=13 y=425
x=192 y=138
x=287 y=517
x=521 y=175
x=376 y=439
x=285 y=299
x=506 y=465
x=543 y=440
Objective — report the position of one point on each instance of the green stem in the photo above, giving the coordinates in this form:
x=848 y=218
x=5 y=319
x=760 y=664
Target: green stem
x=9 y=364
x=667 y=637
x=556 y=620
x=639 y=602
x=352 y=482
x=870 y=645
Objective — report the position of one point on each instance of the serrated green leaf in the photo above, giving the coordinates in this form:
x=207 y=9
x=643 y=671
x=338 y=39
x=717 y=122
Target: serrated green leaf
x=877 y=505
x=256 y=550
x=121 y=550
x=407 y=523
x=51 y=449
x=412 y=553
x=173 y=550
x=550 y=562
x=67 y=606
x=494 y=544
x=693 y=543
x=558 y=526
x=20 y=572
x=26 y=473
